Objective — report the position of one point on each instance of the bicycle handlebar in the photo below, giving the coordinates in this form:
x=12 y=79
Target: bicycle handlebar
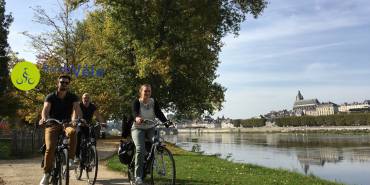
x=156 y=123
x=52 y=121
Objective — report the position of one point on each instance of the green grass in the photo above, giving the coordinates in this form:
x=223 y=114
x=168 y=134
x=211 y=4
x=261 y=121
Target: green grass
x=193 y=168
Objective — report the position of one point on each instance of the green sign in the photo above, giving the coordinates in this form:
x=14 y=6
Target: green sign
x=25 y=76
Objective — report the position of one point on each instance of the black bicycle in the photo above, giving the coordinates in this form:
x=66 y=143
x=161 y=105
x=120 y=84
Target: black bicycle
x=158 y=163
x=60 y=172
x=88 y=156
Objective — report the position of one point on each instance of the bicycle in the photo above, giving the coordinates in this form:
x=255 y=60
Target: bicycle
x=60 y=172
x=88 y=156
x=159 y=162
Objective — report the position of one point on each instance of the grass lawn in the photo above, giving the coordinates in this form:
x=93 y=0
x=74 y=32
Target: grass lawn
x=193 y=168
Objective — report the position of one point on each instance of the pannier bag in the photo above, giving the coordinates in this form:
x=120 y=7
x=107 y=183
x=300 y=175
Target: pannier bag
x=126 y=152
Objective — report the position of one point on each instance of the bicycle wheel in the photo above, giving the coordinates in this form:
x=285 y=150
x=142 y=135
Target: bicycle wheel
x=54 y=174
x=80 y=168
x=163 y=171
x=130 y=172
x=92 y=165
x=78 y=171
x=64 y=167
x=131 y=177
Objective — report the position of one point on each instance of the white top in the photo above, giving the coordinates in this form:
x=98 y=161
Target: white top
x=146 y=112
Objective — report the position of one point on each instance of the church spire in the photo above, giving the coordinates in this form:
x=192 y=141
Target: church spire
x=299 y=96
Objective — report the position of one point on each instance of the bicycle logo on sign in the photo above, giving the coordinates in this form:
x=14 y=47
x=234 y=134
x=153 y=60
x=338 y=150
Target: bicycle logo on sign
x=26 y=78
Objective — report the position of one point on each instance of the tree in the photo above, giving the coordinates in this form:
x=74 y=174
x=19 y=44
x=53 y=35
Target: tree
x=173 y=45
x=7 y=101
x=5 y=21
x=64 y=46
x=56 y=48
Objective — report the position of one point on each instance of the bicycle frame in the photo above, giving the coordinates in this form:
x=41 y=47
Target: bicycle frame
x=62 y=145
x=87 y=144
x=156 y=142
x=91 y=135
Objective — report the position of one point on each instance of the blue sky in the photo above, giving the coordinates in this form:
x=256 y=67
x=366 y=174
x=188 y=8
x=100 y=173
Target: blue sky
x=321 y=47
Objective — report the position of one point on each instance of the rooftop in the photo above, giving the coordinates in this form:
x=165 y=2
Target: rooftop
x=306 y=102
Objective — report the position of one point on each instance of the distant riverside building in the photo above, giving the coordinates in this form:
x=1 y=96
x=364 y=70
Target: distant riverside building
x=277 y=114
x=355 y=107
x=312 y=107
x=325 y=109
x=304 y=107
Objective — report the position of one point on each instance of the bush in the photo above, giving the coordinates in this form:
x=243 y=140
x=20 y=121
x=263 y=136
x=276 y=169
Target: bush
x=354 y=119
x=247 y=123
x=5 y=149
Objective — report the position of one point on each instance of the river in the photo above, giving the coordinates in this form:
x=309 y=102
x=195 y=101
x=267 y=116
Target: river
x=343 y=158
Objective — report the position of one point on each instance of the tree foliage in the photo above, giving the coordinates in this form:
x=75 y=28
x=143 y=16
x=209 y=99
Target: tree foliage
x=353 y=119
x=8 y=103
x=173 y=45
x=5 y=21
x=248 y=123
x=56 y=48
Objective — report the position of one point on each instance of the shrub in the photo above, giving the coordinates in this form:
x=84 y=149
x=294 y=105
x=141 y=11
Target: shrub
x=353 y=119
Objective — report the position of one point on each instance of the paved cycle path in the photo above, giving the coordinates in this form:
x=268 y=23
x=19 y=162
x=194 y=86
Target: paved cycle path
x=29 y=172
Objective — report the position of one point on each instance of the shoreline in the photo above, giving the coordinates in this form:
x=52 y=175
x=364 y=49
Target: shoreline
x=276 y=129
x=196 y=168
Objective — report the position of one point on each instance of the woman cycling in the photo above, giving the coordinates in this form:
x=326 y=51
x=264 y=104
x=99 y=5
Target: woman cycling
x=143 y=108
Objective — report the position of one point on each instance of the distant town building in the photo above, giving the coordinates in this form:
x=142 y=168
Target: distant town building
x=277 y=114
x=302 y=106
x=312 y=107
x=227 y=124
x=355 y=107
x=325 y=109
x=208 y=119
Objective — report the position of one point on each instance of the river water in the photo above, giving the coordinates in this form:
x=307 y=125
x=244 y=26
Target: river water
x=338 y=157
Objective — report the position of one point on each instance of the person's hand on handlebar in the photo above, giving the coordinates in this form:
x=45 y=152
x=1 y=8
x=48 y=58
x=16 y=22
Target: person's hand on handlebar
x=42 y=121
x=139 y=120
x=168 y=124
x=103 y=125
x=81 y=121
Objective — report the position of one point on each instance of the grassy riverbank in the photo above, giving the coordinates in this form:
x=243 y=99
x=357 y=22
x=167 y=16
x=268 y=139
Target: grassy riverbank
x=193 y=168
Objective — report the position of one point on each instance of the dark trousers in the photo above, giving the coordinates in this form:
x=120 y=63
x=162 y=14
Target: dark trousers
x=81 y=131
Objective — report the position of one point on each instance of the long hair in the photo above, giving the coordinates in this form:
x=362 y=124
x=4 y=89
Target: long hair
x=142 y=87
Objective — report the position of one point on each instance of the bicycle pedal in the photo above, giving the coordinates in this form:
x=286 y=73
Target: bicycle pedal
x=89 y=169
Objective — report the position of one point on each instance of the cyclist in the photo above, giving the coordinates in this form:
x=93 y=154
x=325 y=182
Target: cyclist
x=143 y=108
x=59 y=105
x=88 y=111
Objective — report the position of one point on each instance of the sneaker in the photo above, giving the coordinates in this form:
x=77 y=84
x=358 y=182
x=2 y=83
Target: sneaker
x=45 y=179
x=72 y=165
x=138 y=181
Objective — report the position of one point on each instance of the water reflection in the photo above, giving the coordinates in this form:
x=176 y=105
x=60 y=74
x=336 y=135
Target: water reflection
x=345 y=158
x=319 y=158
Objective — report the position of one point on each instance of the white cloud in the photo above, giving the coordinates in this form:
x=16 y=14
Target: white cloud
x=292 y=51
x=277 y=24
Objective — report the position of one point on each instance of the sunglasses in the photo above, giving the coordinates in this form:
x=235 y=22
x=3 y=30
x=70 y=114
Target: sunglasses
x=64 y=82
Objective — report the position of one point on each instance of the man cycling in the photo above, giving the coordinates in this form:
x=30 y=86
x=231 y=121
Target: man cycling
x=59 y=105
x=88 y=111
